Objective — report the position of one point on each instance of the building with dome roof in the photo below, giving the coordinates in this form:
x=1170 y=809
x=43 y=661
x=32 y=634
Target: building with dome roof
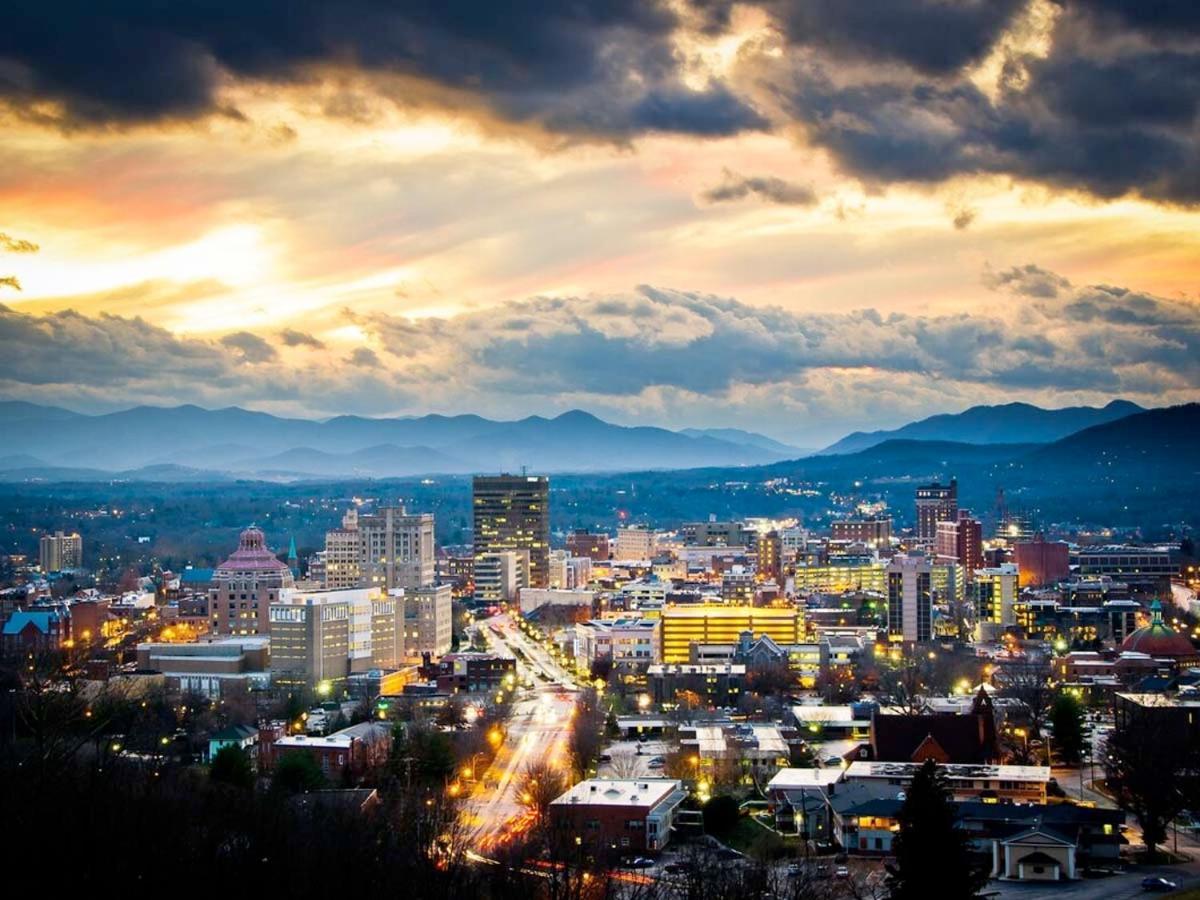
x=245 y=586
x=1160 y=641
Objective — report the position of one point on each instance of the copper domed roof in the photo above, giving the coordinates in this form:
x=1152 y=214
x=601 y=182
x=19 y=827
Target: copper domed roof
x=1157 y=639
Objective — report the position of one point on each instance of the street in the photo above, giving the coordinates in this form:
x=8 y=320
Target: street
x=538 y=730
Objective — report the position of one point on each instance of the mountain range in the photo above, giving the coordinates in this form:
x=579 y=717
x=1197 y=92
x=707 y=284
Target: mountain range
x=1010 y=423
x=188 y=443
x=49 y=442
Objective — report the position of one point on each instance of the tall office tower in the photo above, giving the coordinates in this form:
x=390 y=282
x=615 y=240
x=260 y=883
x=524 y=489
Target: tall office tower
x=245 y=586
x=512 y=512
x=935 y=503
x=960 y=541
x=59 y=552
x=428 y=625
x=769 y=566
x=343 y=554
x=635 y=544
x=583 y=543
x=910 y=599
x=397 y=549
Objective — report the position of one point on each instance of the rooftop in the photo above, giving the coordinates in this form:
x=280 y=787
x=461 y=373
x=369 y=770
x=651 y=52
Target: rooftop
x=642 y=792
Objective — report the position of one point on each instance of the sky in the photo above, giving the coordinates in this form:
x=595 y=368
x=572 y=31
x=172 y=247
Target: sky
x=801 y=217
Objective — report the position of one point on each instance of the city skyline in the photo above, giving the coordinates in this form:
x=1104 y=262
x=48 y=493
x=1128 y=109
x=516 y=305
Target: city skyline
x=396 y=213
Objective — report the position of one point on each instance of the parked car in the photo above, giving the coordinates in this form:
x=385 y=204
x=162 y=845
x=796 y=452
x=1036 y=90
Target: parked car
x=1158 y=884
x=655 y=764
x=605 y=757
x=675 y=868
x=841 y=872
x=637 y=862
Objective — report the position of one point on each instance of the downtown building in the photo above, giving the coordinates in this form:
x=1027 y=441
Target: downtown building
x=936 y=502
x=871 y=532
x=60 y=552
x=960 y=540
x=910 y=599
x=245 y=585
x=512 y=512
x=389 y=548
x=327 y=636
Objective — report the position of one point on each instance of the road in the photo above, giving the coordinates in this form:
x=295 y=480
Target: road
x=538 y=730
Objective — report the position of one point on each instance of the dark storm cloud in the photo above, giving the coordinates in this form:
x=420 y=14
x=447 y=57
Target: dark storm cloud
x=934 y=36
x=293 y=338
x=533 y=60
x=766 y=187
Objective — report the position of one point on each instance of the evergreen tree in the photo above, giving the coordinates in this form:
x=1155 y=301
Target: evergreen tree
x=231 y=766
x=297 y=771
x=1070 y=730
x=932 y=856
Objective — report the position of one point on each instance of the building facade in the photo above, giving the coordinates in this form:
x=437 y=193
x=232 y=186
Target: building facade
x=60 y=552
x=245 y=586
x=910 y=599
x=512 y=512
x=428 y=621
x=936 y=502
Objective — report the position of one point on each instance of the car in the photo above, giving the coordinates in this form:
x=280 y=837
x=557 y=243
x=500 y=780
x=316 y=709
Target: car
x=605 y=757
x=795 y=868
x=675 y=868
x=841 y=872
x=637 y=862
x=655 y=764
x=833 y=761
x=657 y=759
x=1158 y=884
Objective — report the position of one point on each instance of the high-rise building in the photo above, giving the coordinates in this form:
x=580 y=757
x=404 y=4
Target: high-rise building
x=935 y=503
x=343 y=554
x=635 y=544
x=910 y=599
x=995 y=591
x=428 y=622
x=245 y=586
x=512 y=512
x=872 y=532
x=60 y=552
x=568 y=572
x=397 y=549
x=584 y=543
x=960 y=540
x=769 y=558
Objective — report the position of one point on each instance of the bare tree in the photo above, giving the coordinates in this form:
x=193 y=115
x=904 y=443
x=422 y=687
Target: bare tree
x=624 y=765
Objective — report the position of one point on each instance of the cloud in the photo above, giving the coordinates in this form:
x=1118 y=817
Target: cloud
x=607 y=66
x=16 y=245
x=766 y=187
x=293 y=338
x=251 y=347
x=364 y=357
x=10 y=281
x=932 y=36
x=962 y=217
x=654 y=355
x=1028 y=280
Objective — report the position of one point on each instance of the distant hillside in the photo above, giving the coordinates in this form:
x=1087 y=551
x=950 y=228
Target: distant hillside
x=1012 y=423
x=48 y=440
x=748 y=439
x=1154 y=444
